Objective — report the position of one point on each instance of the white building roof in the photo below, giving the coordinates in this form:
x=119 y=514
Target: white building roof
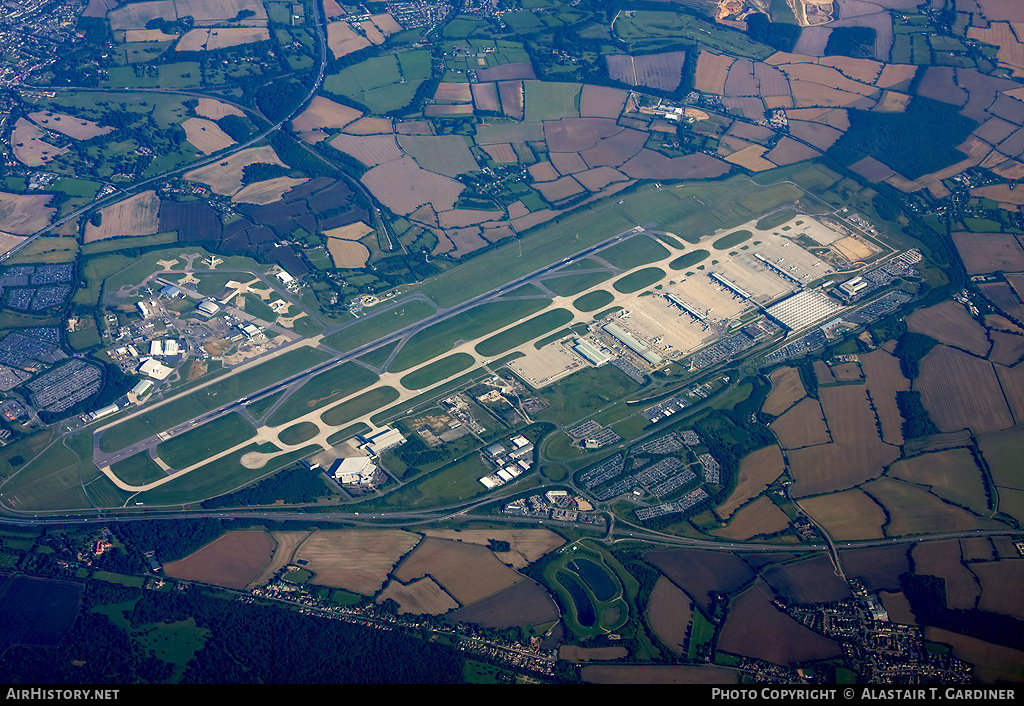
x=803 y=309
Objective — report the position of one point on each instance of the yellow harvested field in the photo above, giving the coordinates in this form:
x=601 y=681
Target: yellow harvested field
x=347 y=254
x=286 y=543
x=895 y=74
x=826 y=76
x=527 y=545
x=913 y=510
x=268 y=191
x=8 y=241
x=372 y=33
x=884 y=380
x=892 y=102
x=712 y=70
x=863 y=70
x=949 y=322
x=422 y=597
x=342 y=39
x=138 y=215
x=136 y=15
x=356 y=560
x=806 y=93
x=386 y=23
x=23 y=214
x=669 y=609
x=215 y=109
x=147 y=35
x=211 y=11
x=802 y=425
x=458 y=92
x=992 y=663
x=325 y=113
x=231 y=560
x=752 y=158
x=1001 y=34
x=29 y=147
x=467 y=571
x=961 y=391
x=848 y=515
x=369 y=126
x=758 y=470
x=1001 y=193
x=761 y=517
x=225 y=177
x=69 y=125
x=787 y=389
x=206 y=136
x=353 y=231
x=221 y=37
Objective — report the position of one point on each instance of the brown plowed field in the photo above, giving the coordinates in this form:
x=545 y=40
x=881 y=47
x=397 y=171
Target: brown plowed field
x=22 y=214
x=503 y=153
x=505 y=72
x=576 y=134
x=787 y=389
x=403 y=186
x=821 y=136
x=669 y=611
x=848 y=515
x=989 y=252
x=442 y=154
x=615 y=150
x=371 y=150
x=461 y=218
x=895 y=74
x=761 y=517
x=830 y=467
x=812 y=580
x=602 y=101
x=527 y=545
x=325 y=113
x=485 y=97
x=880 y=567
x=961 y=391
x=613 y=674
x=137 y=215
x=512 y=101
x=568 y=162
x=1000 y=586
x=758 y=470
x=356 y=560
x=699 y=572
x=467 y=571
x=992 y=663
x=458 y=92
x=789 y=151
x=802 y=425
x=913 y=510
x=597 y=179
x=523 y=603
x=649 y=164
x=661 y=71
x=942 y=559
x=1012 y=382
x=421 y=597
x=1007 y=349
x=752 y=616
x=712 y=71
x=950 y=323
x=554 y=191
x=884 y=380
x=232 y=560
x=575 y=653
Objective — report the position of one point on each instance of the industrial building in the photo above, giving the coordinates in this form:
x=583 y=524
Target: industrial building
x=803 y=309
x=638 y=347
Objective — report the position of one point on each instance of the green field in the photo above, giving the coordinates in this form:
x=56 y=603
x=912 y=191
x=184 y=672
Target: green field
x=592 y=301
x=298 y=433
x=732 y=240
x=223 y=391
x=467 y=326
x=634 y=252
x=584 y=393
x=689 y=259
x=359 y=406
x=370 y=328
x=437 y=371
x=569 y=285
x=524 y=332
x=323 y=389
x=635 y=281
x=138 y=469
x=207 y=440
x=550 y=101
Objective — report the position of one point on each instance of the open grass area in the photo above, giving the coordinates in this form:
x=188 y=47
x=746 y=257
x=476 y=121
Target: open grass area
x=732 y=240
x=524 y=332
x=221 y=392
x=467 y=326
x=634 y=252
x=359 y=406
x=437 y=371
x=298 y=433
x=370 y=328
x=138 y=469
x=585 y=392
x=323 y=389
x=207 y=440
x=54 y=479
x=592 y=301
x=690 y=259
x=636 y=281
x=569 y=285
